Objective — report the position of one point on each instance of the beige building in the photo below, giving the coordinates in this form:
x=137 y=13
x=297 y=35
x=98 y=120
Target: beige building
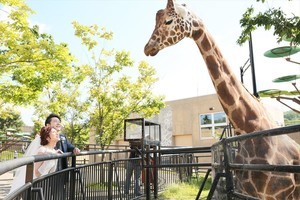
x=198 y=121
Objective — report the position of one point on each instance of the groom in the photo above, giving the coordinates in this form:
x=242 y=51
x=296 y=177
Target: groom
x=62 y=187
x=63 y=144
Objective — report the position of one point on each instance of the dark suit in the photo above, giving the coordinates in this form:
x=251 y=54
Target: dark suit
x=64 y=145
x=63 y=187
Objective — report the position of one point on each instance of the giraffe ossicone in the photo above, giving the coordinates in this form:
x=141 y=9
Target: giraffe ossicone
x=245 y=112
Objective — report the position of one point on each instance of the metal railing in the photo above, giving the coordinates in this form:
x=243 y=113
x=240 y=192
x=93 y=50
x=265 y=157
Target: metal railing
x=224 y=165
x=11 y=149
x=103 y=174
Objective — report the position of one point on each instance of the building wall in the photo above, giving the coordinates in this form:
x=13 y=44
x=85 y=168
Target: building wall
x=182 y=140
x=185 y=119
x=185 y=127
x=27 y=129
x=180 y=123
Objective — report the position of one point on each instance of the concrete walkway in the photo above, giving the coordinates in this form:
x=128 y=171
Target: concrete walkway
x=5 y=183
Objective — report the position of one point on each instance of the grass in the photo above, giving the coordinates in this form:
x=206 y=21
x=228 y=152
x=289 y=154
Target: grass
x=186 y=191
x=100 y=186
x=8 y=155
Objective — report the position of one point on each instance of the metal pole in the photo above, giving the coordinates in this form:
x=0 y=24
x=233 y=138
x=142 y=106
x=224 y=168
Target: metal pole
x=155 y=174
x=252 y=67
x=72 y=179
x=242 y=74
x=147 y=180
x=110 y=181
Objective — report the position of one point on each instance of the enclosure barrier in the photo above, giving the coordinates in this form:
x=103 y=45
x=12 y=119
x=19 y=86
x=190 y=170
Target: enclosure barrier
x=223 y=165
x=103 y=174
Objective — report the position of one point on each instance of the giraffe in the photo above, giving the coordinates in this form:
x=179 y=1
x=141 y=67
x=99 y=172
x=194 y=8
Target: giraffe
x=244 y=111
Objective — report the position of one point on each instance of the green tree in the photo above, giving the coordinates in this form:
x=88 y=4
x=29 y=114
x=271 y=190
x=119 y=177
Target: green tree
x=113 y=94
x=10 y=126
x=35 y=70
x=284 y=27
x=64 y=99
x=10 y=118
x=29 y=60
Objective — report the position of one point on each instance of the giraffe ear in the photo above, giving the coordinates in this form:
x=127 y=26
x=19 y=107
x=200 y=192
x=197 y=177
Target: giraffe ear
x=170 y=5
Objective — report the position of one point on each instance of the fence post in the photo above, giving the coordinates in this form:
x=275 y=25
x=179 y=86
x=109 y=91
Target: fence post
x=110 y=180
x=155 y=173
x=73 y=178
x=190 y=169
x=229 y=178
x=147 y=173
x=29 y=176
x=110 y=156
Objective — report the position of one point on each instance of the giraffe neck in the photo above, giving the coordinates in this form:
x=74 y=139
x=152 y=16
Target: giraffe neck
x=244 y=111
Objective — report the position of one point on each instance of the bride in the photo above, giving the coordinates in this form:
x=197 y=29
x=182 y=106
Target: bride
x=42 y=144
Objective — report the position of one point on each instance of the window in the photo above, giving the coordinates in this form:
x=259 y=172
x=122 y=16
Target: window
x=212 y=124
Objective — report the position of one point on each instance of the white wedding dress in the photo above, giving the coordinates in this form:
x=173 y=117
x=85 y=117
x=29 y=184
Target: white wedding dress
x=46 y=167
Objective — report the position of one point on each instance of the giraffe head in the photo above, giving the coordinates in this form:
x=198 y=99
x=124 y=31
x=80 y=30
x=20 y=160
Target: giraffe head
x=172 y=24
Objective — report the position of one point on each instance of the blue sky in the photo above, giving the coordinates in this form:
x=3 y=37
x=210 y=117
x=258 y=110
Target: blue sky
x=180 y=68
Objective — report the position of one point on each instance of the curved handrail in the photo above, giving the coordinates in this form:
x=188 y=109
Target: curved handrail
x=9 y=165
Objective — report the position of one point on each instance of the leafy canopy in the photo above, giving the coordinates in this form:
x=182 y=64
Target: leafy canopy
x=284 y=27
x=29 y=60
x=116 y=87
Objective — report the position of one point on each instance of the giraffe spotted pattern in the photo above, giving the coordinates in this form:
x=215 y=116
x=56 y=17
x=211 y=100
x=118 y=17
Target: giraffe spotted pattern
x=244 y=111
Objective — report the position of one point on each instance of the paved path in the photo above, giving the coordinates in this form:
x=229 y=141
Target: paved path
x=5 y=182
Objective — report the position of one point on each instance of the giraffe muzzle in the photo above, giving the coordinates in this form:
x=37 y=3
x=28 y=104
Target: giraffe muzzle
x=150 y=50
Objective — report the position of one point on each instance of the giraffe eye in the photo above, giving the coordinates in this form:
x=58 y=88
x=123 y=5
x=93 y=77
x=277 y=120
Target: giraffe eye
x=168 y=22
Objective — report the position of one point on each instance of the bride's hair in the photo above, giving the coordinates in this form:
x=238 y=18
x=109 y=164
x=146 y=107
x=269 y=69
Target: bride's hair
x=44 y=134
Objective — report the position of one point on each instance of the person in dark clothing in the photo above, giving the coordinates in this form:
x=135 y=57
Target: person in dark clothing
x=134 y=164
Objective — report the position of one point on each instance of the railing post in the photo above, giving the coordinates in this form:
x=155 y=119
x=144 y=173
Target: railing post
x=29 y=172
x=228 y=174
x=179 y=168
x=29 y=177
x=203 y=184
x=147 y=181
x=155 y=173
x=110 y=156
x=40 y=193
x=73 y=178
x=110 y=180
